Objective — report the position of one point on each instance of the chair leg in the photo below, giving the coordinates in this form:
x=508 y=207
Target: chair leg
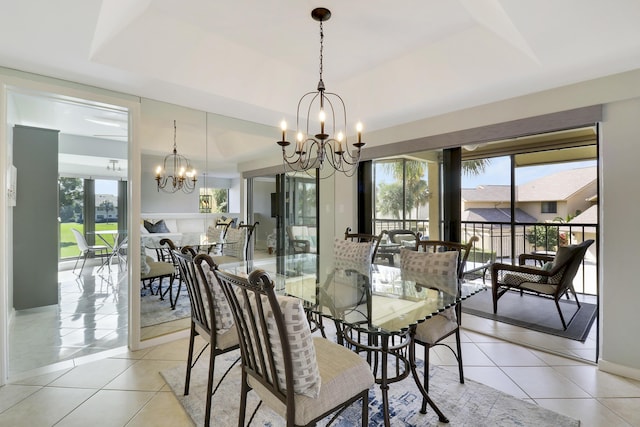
x=212 y=363
x=83 y=261
x=365 y=408
x=76 y=264
x=244 y=389
x=423 y=409
x=564 y=325
x=187 y=380
x=459 y=357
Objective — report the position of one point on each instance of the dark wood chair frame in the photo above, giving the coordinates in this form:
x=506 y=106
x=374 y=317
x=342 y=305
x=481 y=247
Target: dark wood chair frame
x=463 y=253
x=568 y=269
x=203 y=319
x=257 y=355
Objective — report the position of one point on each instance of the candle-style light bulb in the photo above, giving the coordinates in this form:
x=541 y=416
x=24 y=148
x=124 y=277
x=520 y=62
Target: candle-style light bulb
x=299 y=138
x=339 y=138
x=158 y=170
x=322 y=116
x=359 y=130
x=283 y=126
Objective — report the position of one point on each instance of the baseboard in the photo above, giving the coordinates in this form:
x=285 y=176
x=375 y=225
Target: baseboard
x=617 y=369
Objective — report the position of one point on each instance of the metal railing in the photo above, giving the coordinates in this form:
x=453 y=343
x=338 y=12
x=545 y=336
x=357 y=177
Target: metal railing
x=503 y=242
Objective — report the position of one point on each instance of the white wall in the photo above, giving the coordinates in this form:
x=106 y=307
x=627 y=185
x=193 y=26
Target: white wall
x=619 y=201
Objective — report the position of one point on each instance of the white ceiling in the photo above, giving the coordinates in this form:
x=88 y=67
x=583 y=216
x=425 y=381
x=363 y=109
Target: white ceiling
x=392 y=62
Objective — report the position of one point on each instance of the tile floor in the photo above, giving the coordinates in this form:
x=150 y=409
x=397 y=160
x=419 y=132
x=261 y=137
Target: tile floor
x=126 y=388
x=118 y=387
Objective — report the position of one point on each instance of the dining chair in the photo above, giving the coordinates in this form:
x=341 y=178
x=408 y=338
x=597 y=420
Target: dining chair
x=151 y=270
x=86 y=249
x=364 y=237
x=438 y=265
x=300 y=377
x=238 y=245
x=211 y=317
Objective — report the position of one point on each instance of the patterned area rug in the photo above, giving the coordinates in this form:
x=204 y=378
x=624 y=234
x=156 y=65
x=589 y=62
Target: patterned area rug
x=154 y=311
x=469 y=404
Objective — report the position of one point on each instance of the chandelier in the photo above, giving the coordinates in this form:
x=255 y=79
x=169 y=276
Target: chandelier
x=114 y=166
x=315 y=150
x=176 y=172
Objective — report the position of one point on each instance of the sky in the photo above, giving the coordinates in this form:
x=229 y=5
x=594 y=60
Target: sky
x=498 y=172
x=104 y=186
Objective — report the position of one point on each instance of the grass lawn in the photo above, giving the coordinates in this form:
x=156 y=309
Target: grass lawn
x=68 y=246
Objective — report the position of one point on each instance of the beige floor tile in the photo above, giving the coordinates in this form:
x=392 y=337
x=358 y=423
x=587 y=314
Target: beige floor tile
x=544 y=382
x=144 y=375
x=471 y=355
x=163 y=410
x=40 y=379
x=107 y=408
x=627 y=408
x=590 y=412
x=93 y=375
x=556 y=360
x=507 y=354
x=600 y=384
x=12 y=394
x=175 y=350
x=45 y=407
x=494 y=377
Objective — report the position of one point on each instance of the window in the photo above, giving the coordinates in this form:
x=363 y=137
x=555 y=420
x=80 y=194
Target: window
x=214 y=200
x=549 y=207
x=401 y=199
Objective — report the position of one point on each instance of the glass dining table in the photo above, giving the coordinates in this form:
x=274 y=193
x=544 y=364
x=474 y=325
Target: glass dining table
x=375 y=313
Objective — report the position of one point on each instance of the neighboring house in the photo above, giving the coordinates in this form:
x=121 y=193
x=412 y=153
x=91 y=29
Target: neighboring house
x=106 y=215
x=580 y=234
x=560 y=195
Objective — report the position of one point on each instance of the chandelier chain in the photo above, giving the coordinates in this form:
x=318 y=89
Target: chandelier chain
x=321 y=48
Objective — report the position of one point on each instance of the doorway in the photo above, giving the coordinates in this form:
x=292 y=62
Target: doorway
x=89 y=310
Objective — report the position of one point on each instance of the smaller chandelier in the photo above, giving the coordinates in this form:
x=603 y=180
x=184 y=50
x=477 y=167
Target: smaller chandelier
x=176 y=172
x=314 y=150
x=114 y=166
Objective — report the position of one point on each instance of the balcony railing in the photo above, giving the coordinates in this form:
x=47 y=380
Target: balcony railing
x=503 y=242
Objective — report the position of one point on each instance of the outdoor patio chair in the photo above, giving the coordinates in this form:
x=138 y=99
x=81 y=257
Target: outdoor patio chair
x=211 y=317
x=86 y=250
x=293 y=373
x=553 y=280
x=438 y=265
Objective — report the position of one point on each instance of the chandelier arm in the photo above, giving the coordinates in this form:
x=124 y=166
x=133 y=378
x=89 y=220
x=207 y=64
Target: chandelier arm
x=344 y=112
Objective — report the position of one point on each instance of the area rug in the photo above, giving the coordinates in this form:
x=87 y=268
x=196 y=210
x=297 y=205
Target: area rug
x=154 y=311
x=468 y=404
x=535 y=313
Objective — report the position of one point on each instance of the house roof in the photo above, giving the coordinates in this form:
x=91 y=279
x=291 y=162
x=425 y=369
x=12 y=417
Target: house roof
x=487 y=193
x=495 y=215
x=556 y=186
x=590 y=216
